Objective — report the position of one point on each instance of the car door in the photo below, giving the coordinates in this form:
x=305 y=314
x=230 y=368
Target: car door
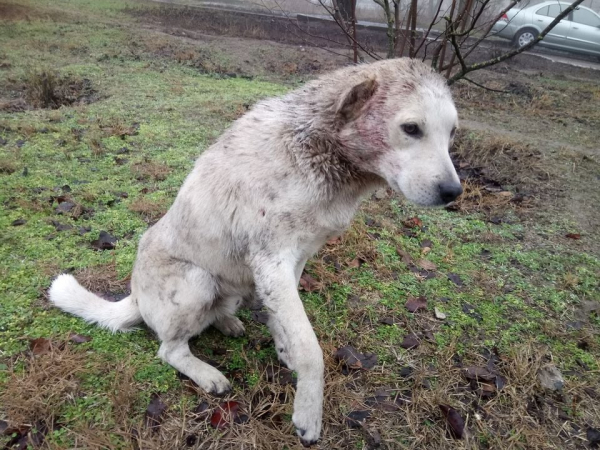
x=557 y=37
x=585 y=31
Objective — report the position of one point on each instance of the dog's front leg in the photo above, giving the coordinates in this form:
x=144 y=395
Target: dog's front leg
x=293 y=334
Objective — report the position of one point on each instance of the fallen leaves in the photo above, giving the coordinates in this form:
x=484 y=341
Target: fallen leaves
x=309 y=284
x=574 y=236
x=154 y=412
x=226 y=414
x=353 y=359
x=455 y=278
x=413 y=222
x=426 y=264
x=455 y=422
x=410 y=341
x=356 y=263
x=105 y=241
x=415 y=304
x=79 y=338
x=356 y=419
x=593 y=437
x=40 y=346
x=405 y=256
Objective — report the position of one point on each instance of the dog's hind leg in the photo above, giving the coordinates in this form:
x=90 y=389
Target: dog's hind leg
x=178 y=355
x=225 y=320
x=178 y=301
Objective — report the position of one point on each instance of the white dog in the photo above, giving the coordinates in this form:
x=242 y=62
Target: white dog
x=284 y=179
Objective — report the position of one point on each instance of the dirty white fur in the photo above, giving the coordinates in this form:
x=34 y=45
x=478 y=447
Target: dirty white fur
x=284 y=179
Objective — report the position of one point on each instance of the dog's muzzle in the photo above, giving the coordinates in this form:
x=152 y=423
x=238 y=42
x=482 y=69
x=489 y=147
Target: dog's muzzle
x=449 y=191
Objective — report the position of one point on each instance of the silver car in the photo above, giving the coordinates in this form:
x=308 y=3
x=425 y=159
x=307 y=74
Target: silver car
x=578 y=32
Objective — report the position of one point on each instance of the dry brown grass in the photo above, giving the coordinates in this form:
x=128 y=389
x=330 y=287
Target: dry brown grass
x=102 y=278
x=150 y=210
x=150 y=170
x=503 y=159
x=48 y=381
x=7 y=165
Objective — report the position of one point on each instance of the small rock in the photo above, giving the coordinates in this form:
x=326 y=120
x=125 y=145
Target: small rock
x=550 y=378
x=439 y=314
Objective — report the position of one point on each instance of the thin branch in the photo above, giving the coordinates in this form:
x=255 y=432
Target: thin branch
x=499 y=59
x=491 y=25
x=426 y=35
x=343 y=28
x=485 y=87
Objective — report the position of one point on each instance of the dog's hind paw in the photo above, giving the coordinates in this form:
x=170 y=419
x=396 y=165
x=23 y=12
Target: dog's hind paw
x=230 y=326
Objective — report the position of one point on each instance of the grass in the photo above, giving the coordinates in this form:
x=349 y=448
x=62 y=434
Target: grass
x=517 y=288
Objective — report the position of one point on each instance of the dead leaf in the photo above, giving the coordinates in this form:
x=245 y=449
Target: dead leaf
x=104 y=242
x=426 y=244
x=456 y=423
x=280 y=375
x=356 y=419
x=455 y=279
x=410 y=341
x=40 y=346
x=154 y=412
x=416 y=303
x=406 y=258
x=18 y=222
x=309 y=284
x=353 y=359
x=413 y=222
x=593 y=437
x=226 y=414
x=356 y=263
x=79 y=338
x=575 y=236
x=425 y=264
x=479 y=373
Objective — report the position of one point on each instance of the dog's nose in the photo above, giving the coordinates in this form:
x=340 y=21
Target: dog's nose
x=450 y=191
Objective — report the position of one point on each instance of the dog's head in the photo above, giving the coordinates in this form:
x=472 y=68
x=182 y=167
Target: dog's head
x=399 y=124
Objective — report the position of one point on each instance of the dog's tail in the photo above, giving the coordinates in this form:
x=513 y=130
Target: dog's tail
x=70 y=296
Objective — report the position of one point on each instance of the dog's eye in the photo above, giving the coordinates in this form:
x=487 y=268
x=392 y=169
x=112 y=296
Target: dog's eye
x=412 y=129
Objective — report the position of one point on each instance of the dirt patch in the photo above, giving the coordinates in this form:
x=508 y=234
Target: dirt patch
x=48 y=90
x=150 y=210
x=150 y=170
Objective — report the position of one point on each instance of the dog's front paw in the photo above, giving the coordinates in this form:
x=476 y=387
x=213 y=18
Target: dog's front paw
x=308 y=426
x=214 y=382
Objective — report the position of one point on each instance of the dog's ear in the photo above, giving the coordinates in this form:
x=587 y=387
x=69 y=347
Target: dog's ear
x=354 y=100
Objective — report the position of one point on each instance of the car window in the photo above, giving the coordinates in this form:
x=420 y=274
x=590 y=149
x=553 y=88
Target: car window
x=586 y=18
x=554 y=10
x=542 y=11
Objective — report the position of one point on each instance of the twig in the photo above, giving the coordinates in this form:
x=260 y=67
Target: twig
x=485 y=87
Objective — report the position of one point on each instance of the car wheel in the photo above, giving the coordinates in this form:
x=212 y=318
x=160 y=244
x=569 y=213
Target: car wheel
x=524 y=37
